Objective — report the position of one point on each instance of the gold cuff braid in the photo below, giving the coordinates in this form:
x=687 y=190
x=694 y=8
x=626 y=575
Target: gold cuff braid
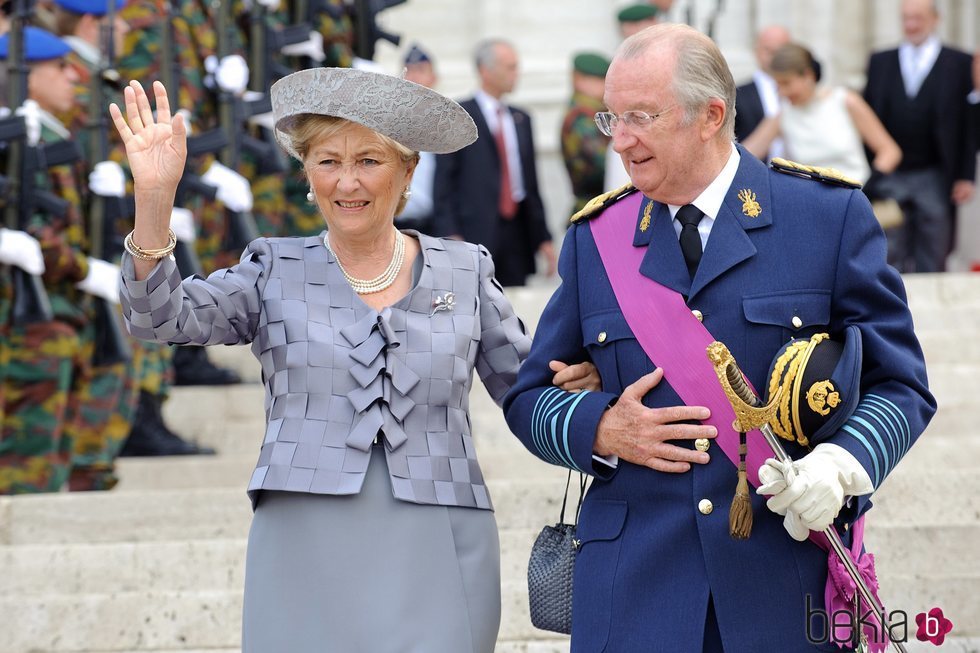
x=150 y=254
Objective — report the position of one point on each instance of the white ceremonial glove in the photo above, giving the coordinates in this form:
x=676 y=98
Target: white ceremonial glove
x=32 y=117
x=20 y=249
x=311 y=47
x=102 y=280
x=271 y=5
x=231 y=74
x=107 y=179
x=810 y=492
x=234 y=190
x=187 y=121
x=182 y=224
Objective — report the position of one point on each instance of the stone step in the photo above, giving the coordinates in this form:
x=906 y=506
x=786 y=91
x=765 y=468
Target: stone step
x=187 y=566
x=148 y=620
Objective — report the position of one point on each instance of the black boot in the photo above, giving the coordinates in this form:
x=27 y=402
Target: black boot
x=149 y=436
x=192 y=367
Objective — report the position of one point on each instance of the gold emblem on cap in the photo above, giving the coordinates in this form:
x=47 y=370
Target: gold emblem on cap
x=645 y=222
x=822 y=397
x=750 y=207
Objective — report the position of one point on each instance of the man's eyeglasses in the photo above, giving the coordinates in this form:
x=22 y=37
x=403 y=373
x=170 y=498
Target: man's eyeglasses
x=635 y=121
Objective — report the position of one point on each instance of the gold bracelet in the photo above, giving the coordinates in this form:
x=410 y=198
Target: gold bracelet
x=149 y=254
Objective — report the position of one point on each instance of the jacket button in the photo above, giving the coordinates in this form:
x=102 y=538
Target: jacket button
x=705 y=507
x=696 y=313
x=702 y=444
x=601 y=337
x=797 y=322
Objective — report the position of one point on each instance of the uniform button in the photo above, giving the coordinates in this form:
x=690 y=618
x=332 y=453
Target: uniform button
x=702 y=444
x=602 y=337
x=797 y=322
x=696 y=313
x=705 y=507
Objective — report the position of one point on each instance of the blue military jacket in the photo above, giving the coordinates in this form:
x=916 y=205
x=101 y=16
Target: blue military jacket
x=339 y=373
x=812 y=261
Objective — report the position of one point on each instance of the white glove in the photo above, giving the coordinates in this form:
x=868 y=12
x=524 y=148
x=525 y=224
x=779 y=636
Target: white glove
x=107 y=179
x=187 y=121
x=810 y=491
x=234 y=190
x=266 y=120
x=230 y=73
x=311 y=47
x=182 y=224
x=271 y=5
x=32 y=117
x=21 y=249
x=102 y=280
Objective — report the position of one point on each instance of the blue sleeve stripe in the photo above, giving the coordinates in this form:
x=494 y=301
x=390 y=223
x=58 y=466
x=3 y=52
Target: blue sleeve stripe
x=879 y=440
x=882 y=415
x=537 y=431
x=538 y=423
x=893 y=409
x=887 y=424
x=568 y=422
x=874 y=459
x=550 y=422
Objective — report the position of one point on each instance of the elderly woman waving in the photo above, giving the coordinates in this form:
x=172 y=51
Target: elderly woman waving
x=373 y=529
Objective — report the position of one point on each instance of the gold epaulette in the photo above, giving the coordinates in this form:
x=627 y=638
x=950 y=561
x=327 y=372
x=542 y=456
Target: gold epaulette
x=598 y=203
x=818 y=173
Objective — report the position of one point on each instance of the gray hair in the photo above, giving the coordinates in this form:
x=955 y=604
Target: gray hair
x=485 y=54
x=700 y=71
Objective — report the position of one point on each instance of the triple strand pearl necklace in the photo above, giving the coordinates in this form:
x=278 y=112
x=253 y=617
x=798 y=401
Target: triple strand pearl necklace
x=383 y=280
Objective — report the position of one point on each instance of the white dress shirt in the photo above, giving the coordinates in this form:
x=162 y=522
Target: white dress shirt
x=489 y=107
x=710 y=200
x=916 y=62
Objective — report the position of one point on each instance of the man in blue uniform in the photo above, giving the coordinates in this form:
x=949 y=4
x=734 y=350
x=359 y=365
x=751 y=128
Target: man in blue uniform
x=751 y=257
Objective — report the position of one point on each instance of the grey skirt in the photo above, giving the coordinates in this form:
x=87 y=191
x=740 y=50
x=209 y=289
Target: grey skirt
x=367 y=573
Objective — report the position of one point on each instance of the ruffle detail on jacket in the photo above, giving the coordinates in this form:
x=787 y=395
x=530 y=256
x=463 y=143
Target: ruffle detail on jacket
x=384 y=381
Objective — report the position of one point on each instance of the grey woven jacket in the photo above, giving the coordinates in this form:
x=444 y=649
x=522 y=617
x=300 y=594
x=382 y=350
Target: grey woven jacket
x=338 y=373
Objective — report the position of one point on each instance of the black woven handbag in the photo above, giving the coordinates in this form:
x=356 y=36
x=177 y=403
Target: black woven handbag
x=550 y=569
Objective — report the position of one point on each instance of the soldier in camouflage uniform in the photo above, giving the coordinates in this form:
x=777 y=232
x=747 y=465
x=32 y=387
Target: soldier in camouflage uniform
x=583 y=146
x=48 y=362
x=104 y=402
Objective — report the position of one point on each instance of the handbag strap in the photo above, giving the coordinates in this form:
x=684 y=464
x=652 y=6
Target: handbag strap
x=583 y=481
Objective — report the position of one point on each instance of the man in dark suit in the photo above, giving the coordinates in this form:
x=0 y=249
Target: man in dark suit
x=487 y=193
x=919 y=90
x=759 y=98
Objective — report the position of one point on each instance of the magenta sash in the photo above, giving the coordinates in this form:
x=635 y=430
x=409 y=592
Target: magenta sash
x=677 y=342
x=666 y=329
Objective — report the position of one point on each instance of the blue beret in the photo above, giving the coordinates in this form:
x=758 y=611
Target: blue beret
x=94 y=7
x=39 y=45
x=821 y=381
x=416 y=54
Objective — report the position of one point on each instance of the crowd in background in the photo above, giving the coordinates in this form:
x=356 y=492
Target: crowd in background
x=72 y=399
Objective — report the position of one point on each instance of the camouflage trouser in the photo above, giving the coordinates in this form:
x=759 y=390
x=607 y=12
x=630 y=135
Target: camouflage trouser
x=35 y=453
x=101 y=409
x=269 y=201
x=152 y=367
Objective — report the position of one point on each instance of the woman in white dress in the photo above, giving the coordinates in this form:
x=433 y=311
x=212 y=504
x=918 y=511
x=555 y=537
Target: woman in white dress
x=825 y=126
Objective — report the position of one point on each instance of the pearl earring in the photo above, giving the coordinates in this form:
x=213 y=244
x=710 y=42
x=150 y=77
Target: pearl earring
x=310 y=196
x=407 y=193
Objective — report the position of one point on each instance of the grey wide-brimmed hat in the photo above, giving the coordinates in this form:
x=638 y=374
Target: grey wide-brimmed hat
x=411 y=114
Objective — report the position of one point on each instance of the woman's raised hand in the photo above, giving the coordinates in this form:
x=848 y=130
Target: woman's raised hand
x=156 y=147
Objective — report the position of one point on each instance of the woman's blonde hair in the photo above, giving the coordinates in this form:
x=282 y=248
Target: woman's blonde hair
x=312 y=127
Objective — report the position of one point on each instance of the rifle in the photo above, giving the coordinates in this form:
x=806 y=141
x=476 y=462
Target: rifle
x=366 y=29
x=31 y=304
x=111 y=345
x=233 y=114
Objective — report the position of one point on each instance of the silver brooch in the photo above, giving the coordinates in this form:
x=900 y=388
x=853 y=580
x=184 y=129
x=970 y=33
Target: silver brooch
x=443 y=303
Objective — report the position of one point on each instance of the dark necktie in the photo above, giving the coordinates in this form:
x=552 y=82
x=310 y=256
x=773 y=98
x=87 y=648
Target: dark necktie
x=506 y=205
x=689 y=216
